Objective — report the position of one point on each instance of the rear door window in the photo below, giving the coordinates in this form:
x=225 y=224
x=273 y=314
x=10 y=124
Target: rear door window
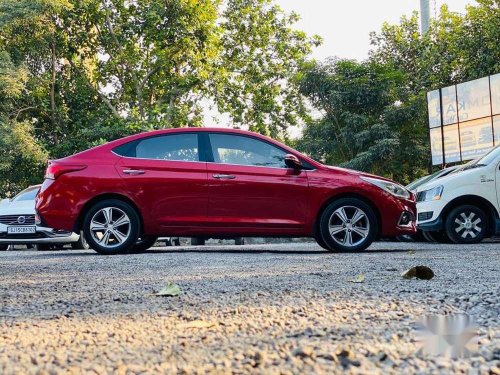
x=173 y=147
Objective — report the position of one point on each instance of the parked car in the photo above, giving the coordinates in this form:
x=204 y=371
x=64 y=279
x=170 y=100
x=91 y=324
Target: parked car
x=206 y=182
x=421 y=236
x=18 y=225
x=464 y=205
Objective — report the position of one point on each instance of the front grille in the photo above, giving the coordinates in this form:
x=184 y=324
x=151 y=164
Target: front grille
x=422 y=216
x=17 y=219
x=420 y=196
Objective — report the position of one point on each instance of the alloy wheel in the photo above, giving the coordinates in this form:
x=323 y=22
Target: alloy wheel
x=349 y=226
x=110 y=227
x=468 y=225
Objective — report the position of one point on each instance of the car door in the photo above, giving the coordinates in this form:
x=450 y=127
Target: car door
x=167 y=178
x=250 y=186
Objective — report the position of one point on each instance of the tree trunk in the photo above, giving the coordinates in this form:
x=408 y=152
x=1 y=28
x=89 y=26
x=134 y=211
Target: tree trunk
x=53 y=114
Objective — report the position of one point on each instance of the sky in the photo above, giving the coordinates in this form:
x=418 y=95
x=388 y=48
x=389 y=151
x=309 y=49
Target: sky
x=345 y=25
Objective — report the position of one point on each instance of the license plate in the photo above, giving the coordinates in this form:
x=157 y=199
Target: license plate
x=21 y=230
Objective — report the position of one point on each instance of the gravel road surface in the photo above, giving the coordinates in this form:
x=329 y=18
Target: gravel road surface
x=277 y=309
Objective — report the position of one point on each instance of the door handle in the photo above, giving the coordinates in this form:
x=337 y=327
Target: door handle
x=133 y=172
x=224 y=176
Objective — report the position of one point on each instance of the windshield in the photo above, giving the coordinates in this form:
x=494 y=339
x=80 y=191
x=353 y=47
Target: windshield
x=481 y=161
x=490 y=157
x=28 y=194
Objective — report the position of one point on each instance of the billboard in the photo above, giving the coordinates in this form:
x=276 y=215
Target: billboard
x=464 y=120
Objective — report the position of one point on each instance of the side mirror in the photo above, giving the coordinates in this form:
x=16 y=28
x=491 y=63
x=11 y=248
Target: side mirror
x=291 y=161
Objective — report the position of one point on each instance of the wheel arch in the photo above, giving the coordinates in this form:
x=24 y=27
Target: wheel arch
x=102 y=197
x=474 y=200
x=348 y=195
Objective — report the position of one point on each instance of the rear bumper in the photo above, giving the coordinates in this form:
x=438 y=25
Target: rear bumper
x=42 y=235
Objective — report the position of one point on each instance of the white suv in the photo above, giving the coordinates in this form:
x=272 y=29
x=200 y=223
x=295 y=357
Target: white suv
x=465 y=205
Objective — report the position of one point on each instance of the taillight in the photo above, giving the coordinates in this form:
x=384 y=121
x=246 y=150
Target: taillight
x=55 y=170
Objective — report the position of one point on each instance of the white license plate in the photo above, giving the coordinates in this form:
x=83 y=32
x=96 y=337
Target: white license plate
x=21 y=230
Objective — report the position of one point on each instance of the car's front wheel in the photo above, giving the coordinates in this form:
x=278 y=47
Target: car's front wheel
x=111 y=227
x=466 y=224
x=348 y=225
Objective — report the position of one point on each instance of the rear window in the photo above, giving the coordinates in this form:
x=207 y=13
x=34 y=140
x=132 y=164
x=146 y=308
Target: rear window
x=175 y=147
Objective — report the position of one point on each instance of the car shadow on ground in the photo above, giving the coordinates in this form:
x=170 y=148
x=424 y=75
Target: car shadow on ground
x=78 y=253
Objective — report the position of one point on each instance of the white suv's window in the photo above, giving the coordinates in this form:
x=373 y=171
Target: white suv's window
x=178 y=147
x=241 y=150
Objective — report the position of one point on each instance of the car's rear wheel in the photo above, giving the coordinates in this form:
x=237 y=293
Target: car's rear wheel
x=4 y=247
x=111 y=227
x=143 y=244
x=466 y=224
x=348 y=225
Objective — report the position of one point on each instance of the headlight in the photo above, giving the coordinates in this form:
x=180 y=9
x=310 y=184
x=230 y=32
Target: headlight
x=433 y=194
x=391 y=187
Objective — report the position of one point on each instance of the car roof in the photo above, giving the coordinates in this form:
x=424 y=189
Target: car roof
x=152 y=133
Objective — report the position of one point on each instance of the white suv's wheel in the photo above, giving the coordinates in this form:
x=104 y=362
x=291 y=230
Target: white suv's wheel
x=466 y=224
x=111 y=227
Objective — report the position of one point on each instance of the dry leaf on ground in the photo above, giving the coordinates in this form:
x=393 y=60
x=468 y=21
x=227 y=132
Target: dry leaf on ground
x=358 y=279
x=420 y=272
x=169 y=290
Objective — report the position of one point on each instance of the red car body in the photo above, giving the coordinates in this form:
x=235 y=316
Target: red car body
x=182 y=198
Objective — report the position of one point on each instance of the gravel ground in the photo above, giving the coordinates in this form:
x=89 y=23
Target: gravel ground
x=283 y=309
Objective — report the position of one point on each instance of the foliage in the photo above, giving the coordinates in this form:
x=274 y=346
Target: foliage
x=374 y=113
x=97 y=70
x=21 y=156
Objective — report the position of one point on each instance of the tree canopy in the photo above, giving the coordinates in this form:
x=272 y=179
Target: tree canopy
x=96 y=70
x=374 y=113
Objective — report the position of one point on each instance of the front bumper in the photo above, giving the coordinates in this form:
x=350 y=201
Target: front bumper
x=42 y=235
x=432 y=219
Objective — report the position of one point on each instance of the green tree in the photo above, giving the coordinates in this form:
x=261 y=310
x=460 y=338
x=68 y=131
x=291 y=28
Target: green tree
x=21 y=156
x=375 y=112
x=98 y=70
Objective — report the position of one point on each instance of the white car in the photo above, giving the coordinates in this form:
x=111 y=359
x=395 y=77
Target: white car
x=18 y=225
x=464 y=205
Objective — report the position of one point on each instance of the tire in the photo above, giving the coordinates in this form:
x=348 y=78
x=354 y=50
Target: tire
x=143 y=244
x=239 y=241
x=338 y=216
x=81 y=244
x=4 y=247
x=320 y=242
x=436 y=237
x=466 y=224
x=197 y=241
x=176 y=242
x=111 y=227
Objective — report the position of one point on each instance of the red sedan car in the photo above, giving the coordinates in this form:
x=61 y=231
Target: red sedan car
x=216 y=183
